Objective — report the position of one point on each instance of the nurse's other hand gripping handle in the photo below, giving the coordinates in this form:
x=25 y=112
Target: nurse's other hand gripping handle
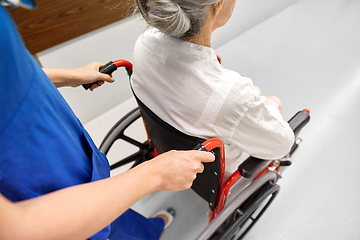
x=110 y=67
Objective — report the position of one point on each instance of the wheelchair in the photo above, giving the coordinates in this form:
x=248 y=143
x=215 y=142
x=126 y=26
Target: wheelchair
x=235 y=205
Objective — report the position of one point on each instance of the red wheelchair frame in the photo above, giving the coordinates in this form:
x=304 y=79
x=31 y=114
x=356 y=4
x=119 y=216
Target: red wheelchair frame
x=262 y=174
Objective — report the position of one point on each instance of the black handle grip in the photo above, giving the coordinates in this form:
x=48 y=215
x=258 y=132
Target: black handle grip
x=108 y=68
x=200 y=147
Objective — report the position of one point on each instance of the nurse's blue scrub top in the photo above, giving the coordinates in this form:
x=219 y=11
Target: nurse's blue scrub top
x=43 y=146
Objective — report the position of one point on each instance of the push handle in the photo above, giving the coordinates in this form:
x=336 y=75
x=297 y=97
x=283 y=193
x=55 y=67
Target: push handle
x=200 y=147
x=210 y=144
x=108 y=68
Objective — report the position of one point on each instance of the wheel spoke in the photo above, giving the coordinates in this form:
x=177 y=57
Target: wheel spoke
x=132 y=158
x=133 y=142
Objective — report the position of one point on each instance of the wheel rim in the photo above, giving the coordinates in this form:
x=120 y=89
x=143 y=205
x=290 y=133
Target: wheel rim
x=247 y=214
x=117 y=133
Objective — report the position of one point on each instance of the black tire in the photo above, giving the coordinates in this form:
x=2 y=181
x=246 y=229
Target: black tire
x=117 y=132
x=247 y=214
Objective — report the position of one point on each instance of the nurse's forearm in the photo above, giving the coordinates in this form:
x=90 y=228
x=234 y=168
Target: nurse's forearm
x=61 y=77
x=79 y=212
x=75 y=77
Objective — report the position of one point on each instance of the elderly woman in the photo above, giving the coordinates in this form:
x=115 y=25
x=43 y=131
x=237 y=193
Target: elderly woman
x=177 y=75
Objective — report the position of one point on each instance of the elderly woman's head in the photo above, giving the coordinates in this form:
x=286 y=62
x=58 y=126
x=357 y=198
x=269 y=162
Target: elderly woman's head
x=184 y=19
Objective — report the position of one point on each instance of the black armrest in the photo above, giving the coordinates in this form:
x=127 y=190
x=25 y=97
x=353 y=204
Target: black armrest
x=251 y=164
x=298 y=121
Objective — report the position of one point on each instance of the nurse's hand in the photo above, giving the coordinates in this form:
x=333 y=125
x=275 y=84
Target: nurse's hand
x=78 y=76
x=177 y=169
x=90 y=74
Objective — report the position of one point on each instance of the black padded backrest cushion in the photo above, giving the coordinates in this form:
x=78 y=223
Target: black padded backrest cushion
x=164 y=137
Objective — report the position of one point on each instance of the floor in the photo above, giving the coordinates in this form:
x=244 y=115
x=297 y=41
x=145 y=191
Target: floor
x=309 y=56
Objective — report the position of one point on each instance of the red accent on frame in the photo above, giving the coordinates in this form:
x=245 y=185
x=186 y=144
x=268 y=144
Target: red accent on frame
x=228 y=185
x=124 y=63
x=209 y=145
x=217 y=143
x=155 y=152
x=211 y=216
x=223 y=194
x=306 y=110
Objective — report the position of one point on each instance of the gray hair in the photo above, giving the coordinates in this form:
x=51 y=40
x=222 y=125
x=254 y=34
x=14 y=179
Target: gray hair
x=177 y=18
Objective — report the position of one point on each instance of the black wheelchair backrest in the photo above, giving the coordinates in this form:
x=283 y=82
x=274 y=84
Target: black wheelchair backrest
x=164 y=137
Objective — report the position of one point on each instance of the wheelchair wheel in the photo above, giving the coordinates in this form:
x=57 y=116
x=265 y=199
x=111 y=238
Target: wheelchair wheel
x=239 y=223
x=118 y=133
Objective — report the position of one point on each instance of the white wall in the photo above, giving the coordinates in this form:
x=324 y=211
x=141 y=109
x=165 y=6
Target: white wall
x=247 y=14
x=112 y=42
x=116 y=41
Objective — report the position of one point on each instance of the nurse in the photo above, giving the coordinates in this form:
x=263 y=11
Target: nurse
x=54 y=182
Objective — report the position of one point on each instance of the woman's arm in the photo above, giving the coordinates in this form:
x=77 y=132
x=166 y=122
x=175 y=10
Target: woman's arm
x=75 y=77
x=263 y=133
x=79 y=212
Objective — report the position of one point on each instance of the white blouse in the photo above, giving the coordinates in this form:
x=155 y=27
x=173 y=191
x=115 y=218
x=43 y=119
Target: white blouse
x=185 y=85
